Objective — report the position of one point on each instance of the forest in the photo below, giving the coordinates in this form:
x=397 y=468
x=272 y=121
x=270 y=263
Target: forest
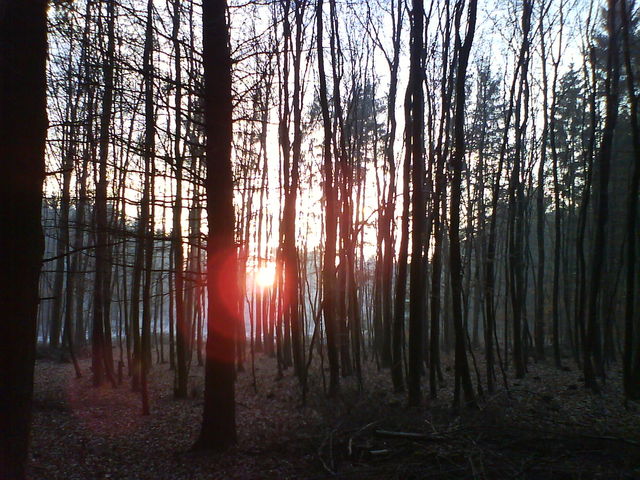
x=271 y=239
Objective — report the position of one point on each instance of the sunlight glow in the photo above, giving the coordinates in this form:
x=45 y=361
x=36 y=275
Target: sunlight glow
x=265 y=276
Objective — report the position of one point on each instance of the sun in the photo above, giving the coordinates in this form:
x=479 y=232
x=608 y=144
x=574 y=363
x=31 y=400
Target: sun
x=265 y=276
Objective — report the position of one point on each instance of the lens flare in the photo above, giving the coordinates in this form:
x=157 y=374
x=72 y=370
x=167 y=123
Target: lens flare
x=265 y=276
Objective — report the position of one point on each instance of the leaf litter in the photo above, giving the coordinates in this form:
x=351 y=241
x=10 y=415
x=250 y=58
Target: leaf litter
x=545 y=426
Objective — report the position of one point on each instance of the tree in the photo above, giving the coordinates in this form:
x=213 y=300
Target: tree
x=486 y=138
x=146 y=217
x=329 y=267
x=601 y=211
x=291 y=183
x=463 y=48
x=516 y=263
x=101 y=336
x=417 y=289
x=218 y=430
x=403 y=253
x=556 y=197
x=540 y=220
x=176 y=233
x=439 y=154
x=393 y=326
x=23 y=128
x=631 y=364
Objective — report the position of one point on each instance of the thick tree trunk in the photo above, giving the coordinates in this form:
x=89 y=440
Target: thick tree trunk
x=631 y=365
x=23 y=126
x=418 y=212
x=218 y=420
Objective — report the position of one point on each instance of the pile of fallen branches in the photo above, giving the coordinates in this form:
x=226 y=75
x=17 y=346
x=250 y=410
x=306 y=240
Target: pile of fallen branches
x=478 y=451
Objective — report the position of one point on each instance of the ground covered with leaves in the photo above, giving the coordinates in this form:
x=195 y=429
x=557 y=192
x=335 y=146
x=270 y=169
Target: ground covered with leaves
x=545 y=426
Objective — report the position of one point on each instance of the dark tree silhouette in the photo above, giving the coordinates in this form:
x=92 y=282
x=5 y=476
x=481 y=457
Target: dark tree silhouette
x=463 y=48
x=23 y=126
x=601 y=212
x=631 y=363
x=101 y=335
x=329 y=268
x=417 y=291
x=218 y=420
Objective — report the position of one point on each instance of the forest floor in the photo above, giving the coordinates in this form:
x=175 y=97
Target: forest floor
x=546 y=426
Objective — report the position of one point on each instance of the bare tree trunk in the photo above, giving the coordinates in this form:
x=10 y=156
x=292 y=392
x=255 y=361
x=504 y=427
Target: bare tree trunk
x=261 y=310
x=291 y=173
x=592 y=346
x=329 y=268
x=81 y=207
x=556 y=197
x=463 y=49
x=515 y=244
x=218 y=420
x=403 y=250
x=297 y=325
x=581 y=277
x=64 y=237
x=631 y=364
x=23 y=127
x=438 y=216
x=391 y=325
x=176 y=234
x=540 y=208
x=490 y=292
x=418 y=211
x=146 y=217
x=342 y=180
x=62 y=244
x=100 y=364
x=172 y=351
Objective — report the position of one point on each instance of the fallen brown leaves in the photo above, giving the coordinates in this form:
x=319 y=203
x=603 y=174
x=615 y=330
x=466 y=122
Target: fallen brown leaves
x=545 y=426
